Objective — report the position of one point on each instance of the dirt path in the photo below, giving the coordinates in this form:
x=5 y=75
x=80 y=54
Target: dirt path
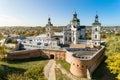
x=49 y=70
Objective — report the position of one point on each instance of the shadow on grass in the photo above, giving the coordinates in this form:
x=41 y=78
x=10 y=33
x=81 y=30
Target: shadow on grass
x=103 y=73
x=25 y=60
x=7 y=70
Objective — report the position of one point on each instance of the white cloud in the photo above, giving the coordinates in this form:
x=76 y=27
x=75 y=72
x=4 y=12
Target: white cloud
x=6 y=20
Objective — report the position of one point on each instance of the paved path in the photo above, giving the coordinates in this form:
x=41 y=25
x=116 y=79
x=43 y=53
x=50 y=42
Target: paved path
x=49 y=70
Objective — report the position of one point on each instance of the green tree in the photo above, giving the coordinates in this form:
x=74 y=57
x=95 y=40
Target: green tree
x=8 y=40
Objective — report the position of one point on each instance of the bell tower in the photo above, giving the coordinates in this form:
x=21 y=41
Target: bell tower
x=75 y=23
x=48 y=28
x=96 y=28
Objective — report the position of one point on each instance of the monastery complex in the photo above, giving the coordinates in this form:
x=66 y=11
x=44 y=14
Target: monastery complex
x=71 y=45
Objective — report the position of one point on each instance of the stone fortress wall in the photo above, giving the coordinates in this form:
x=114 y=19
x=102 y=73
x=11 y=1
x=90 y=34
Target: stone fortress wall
x=47 y=54
x=78 y=67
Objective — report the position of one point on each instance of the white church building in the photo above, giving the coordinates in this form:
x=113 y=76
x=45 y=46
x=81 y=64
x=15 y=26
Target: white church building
x=73 y=33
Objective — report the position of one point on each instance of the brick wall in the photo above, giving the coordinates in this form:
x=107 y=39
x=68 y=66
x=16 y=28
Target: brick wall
x=23 y=54
x=58 y=55
x=79 y=67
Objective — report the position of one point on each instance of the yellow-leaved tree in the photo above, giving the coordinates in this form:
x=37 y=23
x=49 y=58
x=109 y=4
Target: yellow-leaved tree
x=113 y=55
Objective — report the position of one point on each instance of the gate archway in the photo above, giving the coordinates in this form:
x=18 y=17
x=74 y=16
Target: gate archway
x=51 y=56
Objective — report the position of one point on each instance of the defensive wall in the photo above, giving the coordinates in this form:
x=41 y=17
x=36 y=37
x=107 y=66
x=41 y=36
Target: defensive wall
x=78 y=66
x=55 y=54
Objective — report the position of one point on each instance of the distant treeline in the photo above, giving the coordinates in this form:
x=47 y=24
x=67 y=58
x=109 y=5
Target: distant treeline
x=27 y=31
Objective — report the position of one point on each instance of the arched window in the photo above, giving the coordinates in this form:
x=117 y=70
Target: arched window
x=96 y=29
x=95 y=36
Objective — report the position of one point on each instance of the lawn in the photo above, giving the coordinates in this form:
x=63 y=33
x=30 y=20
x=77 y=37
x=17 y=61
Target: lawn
x=64 y=64
x=19 y=66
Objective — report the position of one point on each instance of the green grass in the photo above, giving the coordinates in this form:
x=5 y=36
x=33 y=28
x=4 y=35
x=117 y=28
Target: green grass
x=60 y=76
x=64 y=64
x=19 y=66
x=24 y=64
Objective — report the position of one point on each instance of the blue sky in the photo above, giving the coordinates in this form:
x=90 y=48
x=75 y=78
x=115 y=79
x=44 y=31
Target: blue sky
x=36 y=12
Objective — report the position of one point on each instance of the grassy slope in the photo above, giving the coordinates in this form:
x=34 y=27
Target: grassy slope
x=64 y=64
x=20 y=66
x=60 y=76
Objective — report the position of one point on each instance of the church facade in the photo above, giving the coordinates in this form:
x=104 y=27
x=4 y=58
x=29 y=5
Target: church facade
x=73 y=32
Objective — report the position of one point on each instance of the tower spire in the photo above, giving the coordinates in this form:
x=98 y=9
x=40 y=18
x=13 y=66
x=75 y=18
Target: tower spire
x=96 y=17
x=75 y=17
x=75 y=14
x=49 y=20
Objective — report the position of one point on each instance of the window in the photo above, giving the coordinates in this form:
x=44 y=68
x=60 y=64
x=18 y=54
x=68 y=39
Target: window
x=69 y=39
x=80 y=37
x=65 y=38
x=96 y=29
x=95 y=36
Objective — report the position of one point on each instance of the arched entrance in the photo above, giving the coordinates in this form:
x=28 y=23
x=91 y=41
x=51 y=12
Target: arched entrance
x=51 y=56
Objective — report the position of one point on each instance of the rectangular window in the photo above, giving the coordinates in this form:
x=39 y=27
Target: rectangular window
x=65 y=38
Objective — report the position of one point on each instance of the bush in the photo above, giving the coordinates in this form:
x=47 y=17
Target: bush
x=35 y=73
x=15 y=76
x=14 y=41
